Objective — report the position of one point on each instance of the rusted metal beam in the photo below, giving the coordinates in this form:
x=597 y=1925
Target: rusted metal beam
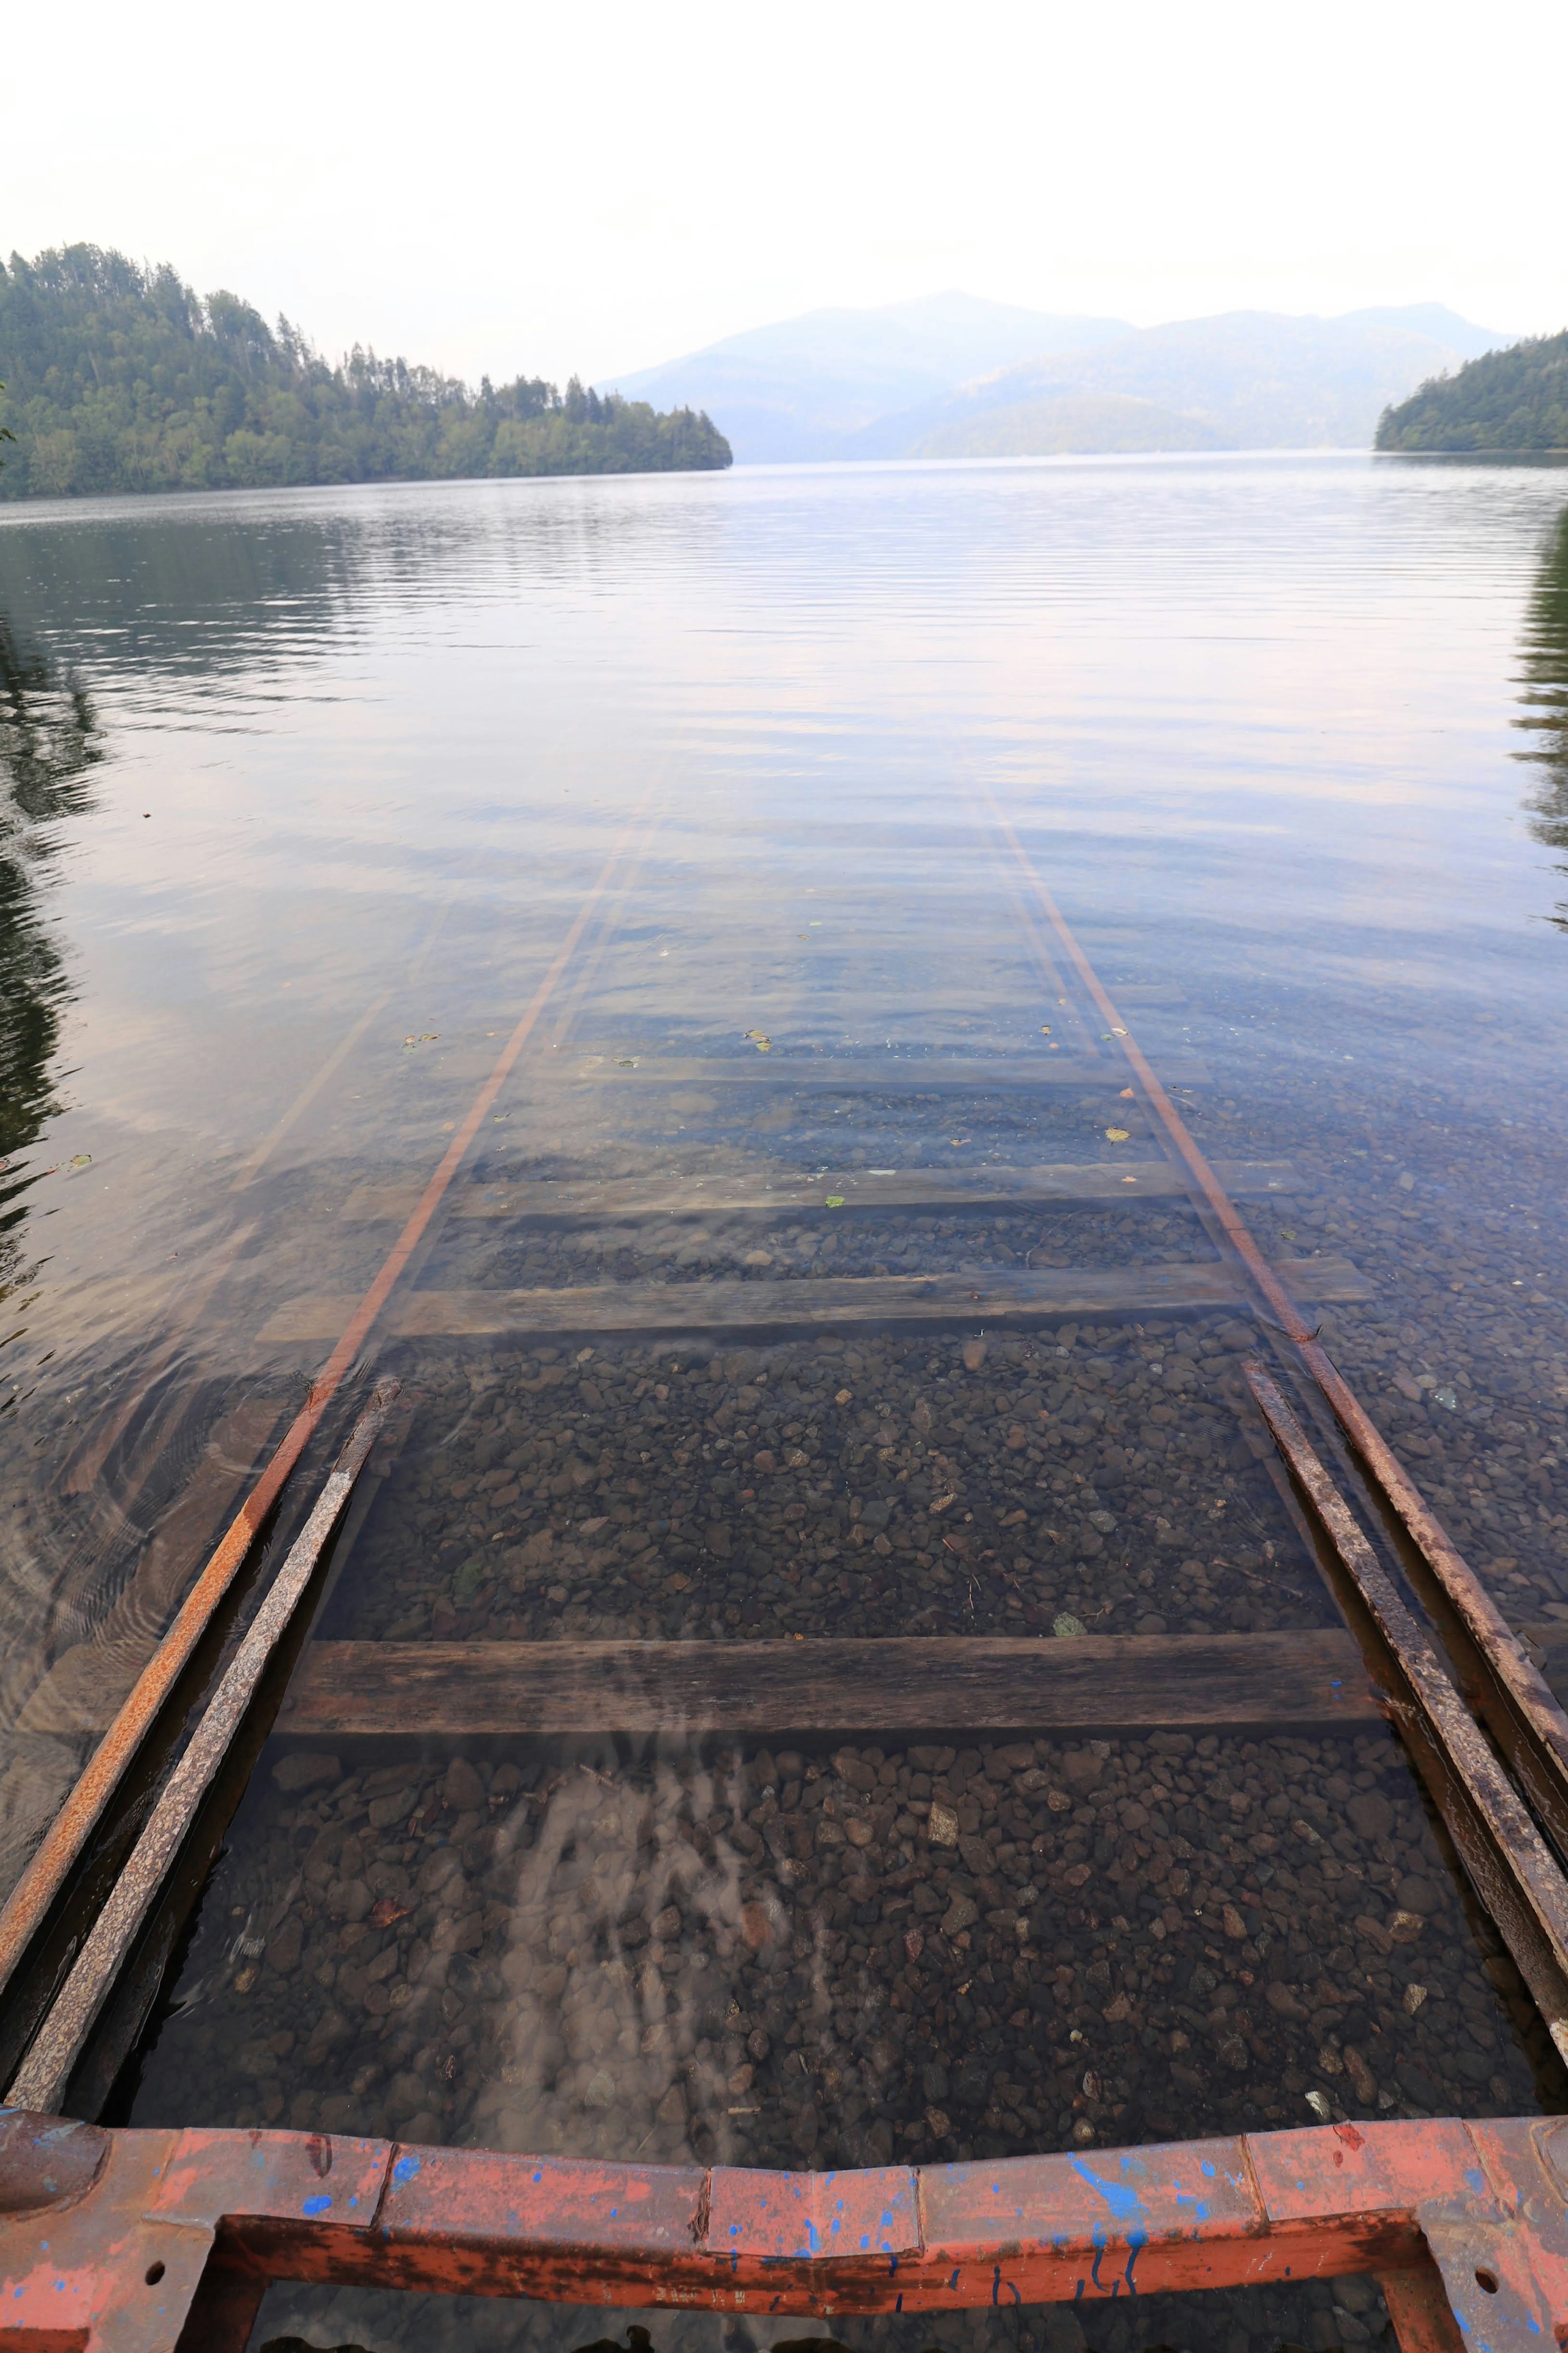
x=116 y=2240
x=33 y=1905
x=1491 y=1664
x=41 y=2080
x=1494 y=1670
x=1514 y=1872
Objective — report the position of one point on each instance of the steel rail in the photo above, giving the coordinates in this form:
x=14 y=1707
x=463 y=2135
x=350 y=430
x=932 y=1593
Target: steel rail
x=143 y=2242
x=32 y=1900
x=1496 y=1673
x=41 y=2080
x=1514 y=1872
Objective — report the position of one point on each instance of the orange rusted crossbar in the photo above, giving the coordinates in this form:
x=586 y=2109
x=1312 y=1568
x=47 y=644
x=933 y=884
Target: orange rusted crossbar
x=140 y=2242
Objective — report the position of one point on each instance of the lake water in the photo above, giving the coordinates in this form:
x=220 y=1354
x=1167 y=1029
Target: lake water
x=753 y=775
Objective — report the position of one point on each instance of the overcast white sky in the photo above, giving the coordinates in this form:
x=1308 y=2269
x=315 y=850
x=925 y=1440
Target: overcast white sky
x=601 y=186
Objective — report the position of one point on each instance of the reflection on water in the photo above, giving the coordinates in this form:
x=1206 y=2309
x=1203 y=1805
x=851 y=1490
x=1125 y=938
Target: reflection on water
x=871 y=1953
x=49 y=741
x=1249 y=722
x=1545 y=697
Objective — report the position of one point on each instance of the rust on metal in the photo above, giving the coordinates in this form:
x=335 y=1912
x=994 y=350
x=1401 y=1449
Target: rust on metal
x=1463 y=2224
x=41 y=2080
x=31 y=1901
x=1515 y=1873
x=1495 y=1672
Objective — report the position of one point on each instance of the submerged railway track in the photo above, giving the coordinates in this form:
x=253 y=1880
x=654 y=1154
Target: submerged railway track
x=808 y=1717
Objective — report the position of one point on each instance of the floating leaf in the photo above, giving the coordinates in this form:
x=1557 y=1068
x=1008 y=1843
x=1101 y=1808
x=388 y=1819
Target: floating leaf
x=80 y=1160
x=384 y=1913
x=1116 y=1134
x=761 y=1041
x=1126 y=1095
x=1067 y=1627
x=834 y=1202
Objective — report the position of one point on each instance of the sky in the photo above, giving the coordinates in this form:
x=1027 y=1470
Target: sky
x=597 y=189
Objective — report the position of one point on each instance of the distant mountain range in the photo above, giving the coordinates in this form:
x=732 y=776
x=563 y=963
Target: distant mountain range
x=952 y=376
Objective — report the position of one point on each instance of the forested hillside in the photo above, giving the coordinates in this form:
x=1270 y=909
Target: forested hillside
x=118 y=379
x=1514 y=399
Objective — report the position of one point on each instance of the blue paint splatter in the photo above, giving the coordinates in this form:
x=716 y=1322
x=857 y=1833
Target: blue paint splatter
x=407 y=2166
x=1124 y=2203
x=319 y=2204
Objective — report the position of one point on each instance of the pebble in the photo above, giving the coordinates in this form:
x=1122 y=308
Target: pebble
x=1093 y=1479
x=1315 y=2315
x=1119 y=1940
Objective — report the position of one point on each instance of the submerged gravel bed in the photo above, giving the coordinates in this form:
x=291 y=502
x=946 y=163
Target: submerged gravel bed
x=839 y=1959
x=748 y=1249
x=1316 y=2315
x=1093 y=1478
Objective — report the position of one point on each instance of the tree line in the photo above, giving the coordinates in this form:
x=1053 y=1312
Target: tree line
x=1513 y=399
x=118 y=379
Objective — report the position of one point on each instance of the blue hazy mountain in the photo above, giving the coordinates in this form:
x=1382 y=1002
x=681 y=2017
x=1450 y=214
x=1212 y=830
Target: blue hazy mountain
x=994 y=380
x=795 y=389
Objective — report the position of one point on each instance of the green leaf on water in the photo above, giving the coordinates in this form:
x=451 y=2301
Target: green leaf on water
x=1067 y=1627
x=834 y=1200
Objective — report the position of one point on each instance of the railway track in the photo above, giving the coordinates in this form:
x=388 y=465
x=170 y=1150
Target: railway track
x=568 y=1645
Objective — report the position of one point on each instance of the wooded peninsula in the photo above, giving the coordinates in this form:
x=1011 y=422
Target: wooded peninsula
x=121 y=379
x=1514 y=399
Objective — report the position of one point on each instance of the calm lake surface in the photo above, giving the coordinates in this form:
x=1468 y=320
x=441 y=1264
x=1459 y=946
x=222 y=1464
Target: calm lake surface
x=732 y=770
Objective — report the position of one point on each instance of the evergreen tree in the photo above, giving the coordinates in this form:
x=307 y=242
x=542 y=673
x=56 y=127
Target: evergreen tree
x=123 y=379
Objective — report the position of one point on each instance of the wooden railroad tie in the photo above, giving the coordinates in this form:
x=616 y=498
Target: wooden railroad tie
x=1297 y=1681
x=761 y=1190
x=898 y=1074
x=988 y=1296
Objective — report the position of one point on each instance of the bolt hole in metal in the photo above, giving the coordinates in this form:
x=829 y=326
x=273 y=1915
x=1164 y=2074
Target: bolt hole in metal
x=1487 y=2281
x=154 y=2273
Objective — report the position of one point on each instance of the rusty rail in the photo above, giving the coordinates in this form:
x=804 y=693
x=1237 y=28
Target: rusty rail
x=140 y=2242
x=27 y=1912
x=41 y=2080
x=1494 y=1670
x=1513 y=1871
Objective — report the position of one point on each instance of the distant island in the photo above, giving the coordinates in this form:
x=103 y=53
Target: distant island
x=120 y=379
x=1513 y=399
